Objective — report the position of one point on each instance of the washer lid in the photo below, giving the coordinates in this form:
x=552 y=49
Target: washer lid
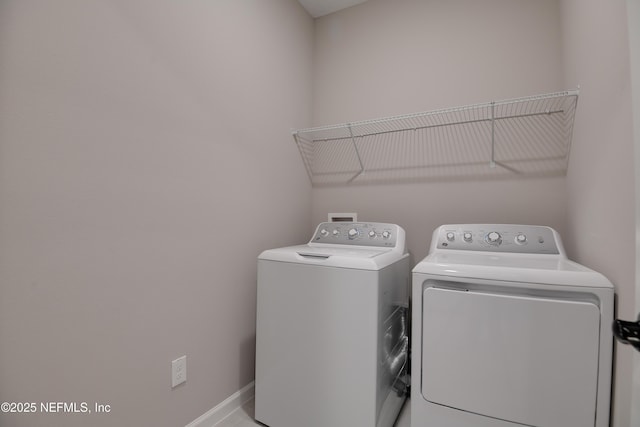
x=362 y=258
x=529 y=268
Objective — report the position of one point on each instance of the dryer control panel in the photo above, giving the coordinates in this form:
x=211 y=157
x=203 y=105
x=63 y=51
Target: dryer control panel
x=505 y=238
x=359 y=234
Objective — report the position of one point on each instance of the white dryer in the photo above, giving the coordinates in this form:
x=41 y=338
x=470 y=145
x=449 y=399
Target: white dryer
x=508 y=332
x=331 y=332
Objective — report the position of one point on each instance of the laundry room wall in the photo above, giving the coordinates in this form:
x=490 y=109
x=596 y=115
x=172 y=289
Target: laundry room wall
x=145 y=161
x=385 y=58
x=633 y=15
x=600 y=179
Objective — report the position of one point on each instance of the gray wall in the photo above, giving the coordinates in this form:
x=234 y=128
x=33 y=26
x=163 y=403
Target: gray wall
x=633 y=15
x=600 y=180
x=144 y=145
x=385 y=58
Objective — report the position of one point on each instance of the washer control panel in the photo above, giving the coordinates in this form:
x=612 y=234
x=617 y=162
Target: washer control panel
x=530 y=239
x=357 y=233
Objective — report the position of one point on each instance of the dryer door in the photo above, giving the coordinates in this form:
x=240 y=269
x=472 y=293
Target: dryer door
x=524 y=359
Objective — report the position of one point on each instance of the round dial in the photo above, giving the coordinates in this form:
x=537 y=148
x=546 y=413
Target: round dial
x=324 y=232
x=372 y=234
x=521 y=238
x=494 y=238
x=353 y=233
x=386 y=234
x=468 y=237
x=450 y=236
x=335 y=232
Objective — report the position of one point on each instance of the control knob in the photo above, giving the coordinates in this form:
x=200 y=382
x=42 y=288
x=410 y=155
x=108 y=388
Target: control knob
x=451 y=236
x=468 y=237
x=372 y=234
x=494 y=238
x=335 y=232
x=521 y=239
x=324 y=232
x=386 y=234
x=353 y=233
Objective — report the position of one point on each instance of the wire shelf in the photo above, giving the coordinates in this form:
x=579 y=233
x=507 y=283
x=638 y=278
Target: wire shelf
x=524 y=136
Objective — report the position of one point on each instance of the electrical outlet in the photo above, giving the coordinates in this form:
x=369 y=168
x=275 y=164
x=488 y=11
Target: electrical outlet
x=178 y=371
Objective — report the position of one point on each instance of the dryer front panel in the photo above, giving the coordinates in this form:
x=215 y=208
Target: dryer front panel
x=525 y=359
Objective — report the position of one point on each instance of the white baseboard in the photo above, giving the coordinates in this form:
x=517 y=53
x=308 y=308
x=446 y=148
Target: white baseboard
x=214 y=415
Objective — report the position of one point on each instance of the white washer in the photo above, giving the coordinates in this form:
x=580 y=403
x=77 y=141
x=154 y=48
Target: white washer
x=508 y=332
x=331 y=332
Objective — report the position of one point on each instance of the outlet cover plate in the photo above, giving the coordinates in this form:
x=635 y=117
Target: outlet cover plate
x=178 y=371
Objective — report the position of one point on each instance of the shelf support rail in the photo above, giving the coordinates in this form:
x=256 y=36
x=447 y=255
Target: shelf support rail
x=492 y=163
x=355 y=147
x=431 y=126
x=305 y=157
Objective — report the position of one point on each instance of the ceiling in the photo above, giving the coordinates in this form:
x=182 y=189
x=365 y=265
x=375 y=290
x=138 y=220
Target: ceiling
x=318 y=8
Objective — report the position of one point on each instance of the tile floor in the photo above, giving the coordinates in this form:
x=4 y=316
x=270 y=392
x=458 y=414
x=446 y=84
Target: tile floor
x=243 y=417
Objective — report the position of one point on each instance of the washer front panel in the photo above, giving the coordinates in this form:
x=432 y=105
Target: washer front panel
x=314 y=357
x=519 y=358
